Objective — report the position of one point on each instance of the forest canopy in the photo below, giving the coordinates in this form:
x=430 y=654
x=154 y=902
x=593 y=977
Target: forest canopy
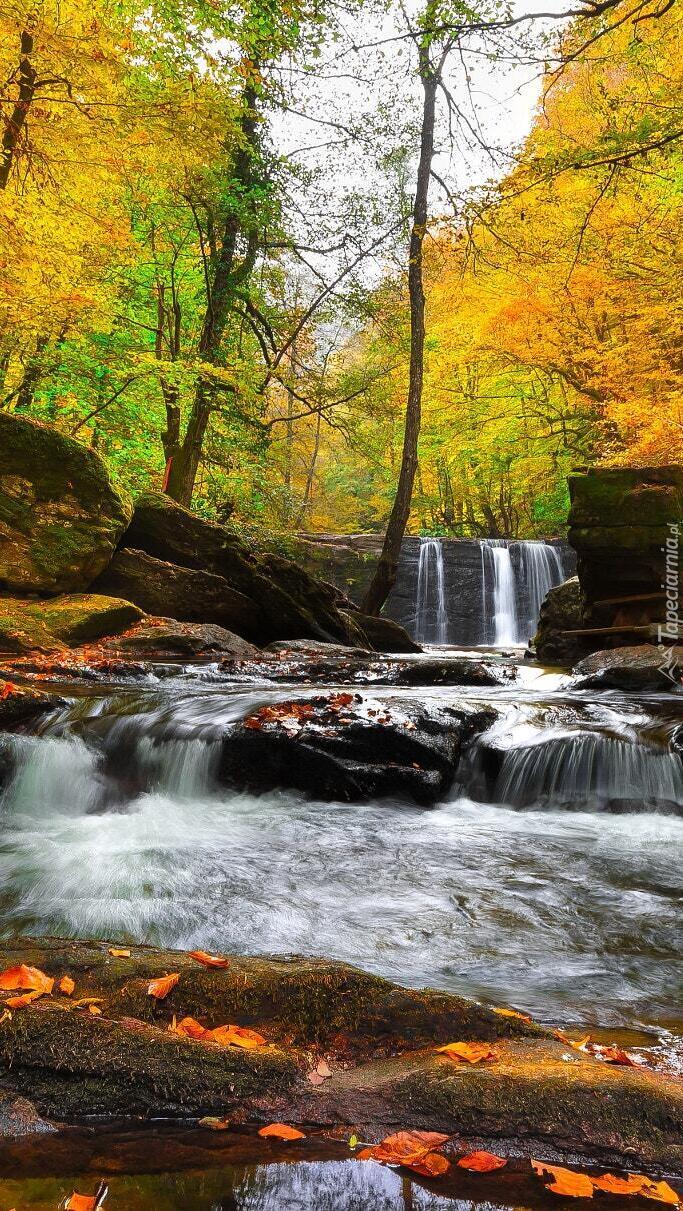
x=203 y=266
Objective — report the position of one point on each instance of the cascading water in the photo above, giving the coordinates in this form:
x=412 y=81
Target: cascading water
x=542 y=570
x=498 y=587
x=431 y=613
x=115 y=824
x=513 y=590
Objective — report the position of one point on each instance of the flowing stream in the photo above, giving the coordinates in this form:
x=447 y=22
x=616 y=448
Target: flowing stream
x=549 y=878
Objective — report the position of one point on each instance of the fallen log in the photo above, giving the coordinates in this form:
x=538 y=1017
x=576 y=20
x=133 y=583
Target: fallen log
x=377 y=1038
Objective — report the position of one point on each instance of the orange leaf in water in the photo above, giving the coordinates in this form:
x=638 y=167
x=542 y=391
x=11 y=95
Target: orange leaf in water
x=66 y=985
x=613 y=1055
x=565 y=1181
x=637 y=1184
x=119 y=954
x=404 y=1147
x=26 y=977
x=8 y=689
x=513 y=1013
x=482 y=1162
x=189 y=1028
x=24 y=999
x=94 y=1010
x=281 y=1131
x=236 y=1036
x=431 y=1165
x=208 y=960
x=160 y=988
x=468 y=1053
x=81 y=1202
x=214 y=1124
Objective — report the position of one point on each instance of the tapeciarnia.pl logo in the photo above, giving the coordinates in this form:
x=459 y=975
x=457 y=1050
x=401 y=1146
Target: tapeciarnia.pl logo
x=672 y=627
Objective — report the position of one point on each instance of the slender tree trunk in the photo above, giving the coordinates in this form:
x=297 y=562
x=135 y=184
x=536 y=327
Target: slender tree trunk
x=27 y=87
x=225 y=273
x=385 y=573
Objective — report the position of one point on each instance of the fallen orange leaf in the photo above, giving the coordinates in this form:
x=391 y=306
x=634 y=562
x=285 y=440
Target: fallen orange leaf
x=119 y=954
x=637 y=1184
x=214 y=1124
x=431 y=1165
x=404 y=1147
x=7 y=690
x=208 y=960
x=235 y=1036
x=281 y=1131
x=26 y=977
x=468 y=1053
x=189 y=1027
x=81 y=1202
x=94 y=1010
x=513 y=1013
x=613 y=1055
x=160 y=988
x=66 y=985
x=24 y=999
x=565 y=1181
x=482 y=1162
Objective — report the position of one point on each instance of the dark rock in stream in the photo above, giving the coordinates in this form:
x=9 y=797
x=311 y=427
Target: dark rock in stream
x=642 y=667
x=354 y=667
x=341 y=747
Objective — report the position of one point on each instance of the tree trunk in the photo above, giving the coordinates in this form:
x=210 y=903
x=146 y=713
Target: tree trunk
x=27 y=87
x=385 y=573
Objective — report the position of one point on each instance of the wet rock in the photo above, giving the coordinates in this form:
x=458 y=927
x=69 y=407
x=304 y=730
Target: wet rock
x=382 y=634
x=561 y=611
x=282 y=648
x=19 y=1118
x=292 y=604
x=622 y=521
x=58 y=622
x=338 y=746
x=160 y=638
x=19 y=703
x=352 y=667
x=377 y=1038
x=185 y=594
x=61 y=515
x=642 y=667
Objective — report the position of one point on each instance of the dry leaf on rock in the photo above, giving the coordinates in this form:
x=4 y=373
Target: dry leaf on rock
x=208 y=960
x=235 y=1036
x=214 y=1124
x=513 y=1013
x=160 y=988
x=25 y=999
x=281 y=1131
x=119 y=954
x=66 y=985
x=482 y=1162
x=189 y=1028
x=468 y=1053
x=26 y=977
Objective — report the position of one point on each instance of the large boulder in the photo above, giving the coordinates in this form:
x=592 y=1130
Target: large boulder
x=59 y=622
x=562 y=611
x=382 y=634
x=291 y=603
x=164 y=638
x=185 y=594
x=642 y=667
x=338 y=746
x=626 y=525
x=61 y=515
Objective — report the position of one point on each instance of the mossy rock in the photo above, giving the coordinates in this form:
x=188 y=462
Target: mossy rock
x=627 y=497
x=51 y=625
x=61 y=515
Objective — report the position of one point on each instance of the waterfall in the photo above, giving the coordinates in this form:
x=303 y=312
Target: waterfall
x=542 y=569
x=498 y=585
x=582 y=772
x=431 y=614
x=515 y=587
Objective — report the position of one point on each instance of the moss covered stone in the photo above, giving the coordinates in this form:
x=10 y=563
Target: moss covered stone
x=61 y=515
x=59 y=622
